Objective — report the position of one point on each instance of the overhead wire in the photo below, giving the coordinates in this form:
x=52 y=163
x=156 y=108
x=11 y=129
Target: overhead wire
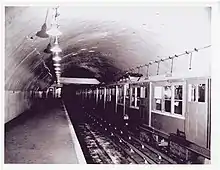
x=121 y=73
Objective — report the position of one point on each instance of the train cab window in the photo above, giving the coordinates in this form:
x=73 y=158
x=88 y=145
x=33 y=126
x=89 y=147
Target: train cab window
x=158 y=98
x=167 y=98
x=201 y=93
x=178 y=97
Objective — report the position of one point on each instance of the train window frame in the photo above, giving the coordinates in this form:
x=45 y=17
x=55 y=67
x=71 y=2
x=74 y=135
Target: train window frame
x=162 y=111
x=133 y=94
x=178 y=100
x=108 y=95
x=155 y=99
x=144 y=92
x=138 y=97
x=132 y=97
x=120 y=95
x=197 y=92
x=164 y=99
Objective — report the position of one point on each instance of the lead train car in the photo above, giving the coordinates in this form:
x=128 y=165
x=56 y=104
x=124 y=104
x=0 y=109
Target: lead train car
x=167 y=112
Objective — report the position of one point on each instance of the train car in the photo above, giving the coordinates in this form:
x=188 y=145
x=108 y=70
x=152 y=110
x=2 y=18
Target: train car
x=170 y=113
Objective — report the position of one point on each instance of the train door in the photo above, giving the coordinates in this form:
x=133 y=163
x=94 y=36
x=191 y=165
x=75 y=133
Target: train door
x=144 y=103
x=197 y=111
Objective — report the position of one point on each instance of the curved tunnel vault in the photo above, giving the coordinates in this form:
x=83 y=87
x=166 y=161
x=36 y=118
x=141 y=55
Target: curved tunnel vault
x=120 y=37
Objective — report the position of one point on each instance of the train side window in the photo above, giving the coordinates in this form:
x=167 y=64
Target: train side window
x=192 y=92
x=158 y=98
x=167 y=98
x=145 y=92
x=128 y=93
x=113 y=91
x=142 y=92
x=138 y=96
x=109 y=95
x=132 y=96
x=120 y=97
x=201 y=93
x=100 y=94
x=178 y=97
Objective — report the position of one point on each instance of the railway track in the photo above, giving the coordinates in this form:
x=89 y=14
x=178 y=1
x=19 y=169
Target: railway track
x=104 y=150
x=147 y=153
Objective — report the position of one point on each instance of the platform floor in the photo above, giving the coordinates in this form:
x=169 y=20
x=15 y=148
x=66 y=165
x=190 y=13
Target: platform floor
x=40 y=136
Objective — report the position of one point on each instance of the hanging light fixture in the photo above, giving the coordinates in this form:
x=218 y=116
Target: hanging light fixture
x=43 y=32
x=57 y=68
x=57 y=64
x=48 y=49
x=56 y=48
x=56 y=57
x=54 y=31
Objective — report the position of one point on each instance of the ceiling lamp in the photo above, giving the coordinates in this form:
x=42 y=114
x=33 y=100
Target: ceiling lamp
x=48 y=49
x=54 y=31
x=91 y=51
x=56 y=57
x=57 y=64
x=57 y=68
x=43 y=32
x=83 y=49
x=56 y=48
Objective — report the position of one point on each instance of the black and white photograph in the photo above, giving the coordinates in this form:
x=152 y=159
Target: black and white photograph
x=102 y=83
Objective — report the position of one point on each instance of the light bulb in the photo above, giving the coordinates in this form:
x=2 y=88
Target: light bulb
x=56 y=49
x=57 y=68
x=57 y=64
x=53 y=31
x=56 y=58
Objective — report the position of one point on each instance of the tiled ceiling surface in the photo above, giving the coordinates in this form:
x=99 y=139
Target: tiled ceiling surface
x=122 y=37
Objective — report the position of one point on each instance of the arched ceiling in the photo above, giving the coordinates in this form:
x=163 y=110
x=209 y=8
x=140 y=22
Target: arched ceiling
x=122 y=37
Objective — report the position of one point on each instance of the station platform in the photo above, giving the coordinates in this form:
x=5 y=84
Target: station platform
x=42 y=135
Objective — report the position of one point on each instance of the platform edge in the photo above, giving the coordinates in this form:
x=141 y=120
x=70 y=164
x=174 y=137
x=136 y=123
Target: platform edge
x=77 y=147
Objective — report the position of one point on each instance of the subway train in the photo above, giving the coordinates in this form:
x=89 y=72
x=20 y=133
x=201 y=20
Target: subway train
x=172 y=114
